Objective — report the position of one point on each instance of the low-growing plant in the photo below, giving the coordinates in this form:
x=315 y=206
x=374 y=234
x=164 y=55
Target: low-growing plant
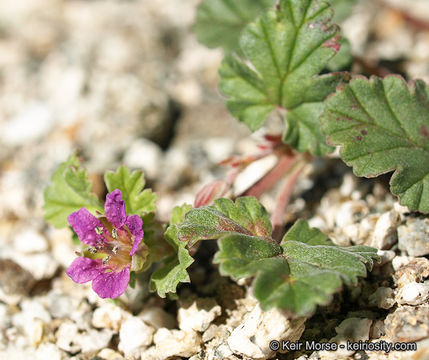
x=280 y=58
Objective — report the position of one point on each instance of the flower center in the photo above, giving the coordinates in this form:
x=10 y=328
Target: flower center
x=113 y=246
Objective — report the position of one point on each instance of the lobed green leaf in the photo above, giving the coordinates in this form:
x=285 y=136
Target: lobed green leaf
x=173 y=271
x=382 y=125
x=220 y=22
x=131 y=184
x=287 y=48
x=70 y=190
x=246 y=216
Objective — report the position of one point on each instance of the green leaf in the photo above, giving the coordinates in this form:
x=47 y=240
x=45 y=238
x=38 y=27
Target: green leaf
x=220 y=22
x=173 y=271
x=298 y=275
x=69 y=191
x=342 y=9
x=301 y=231
x=383 y=125
x=246 y=216
x=137 y=200
x=303 y=132
x=287 y=48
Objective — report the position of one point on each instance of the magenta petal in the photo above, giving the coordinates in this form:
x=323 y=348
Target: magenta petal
x=115 y=208
x=83 y=270
x=111 y=284
x=84 y=224
x=135 y=225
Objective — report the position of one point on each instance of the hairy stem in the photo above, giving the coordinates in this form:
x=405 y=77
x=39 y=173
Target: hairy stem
x=270 y=179
x=283 y=197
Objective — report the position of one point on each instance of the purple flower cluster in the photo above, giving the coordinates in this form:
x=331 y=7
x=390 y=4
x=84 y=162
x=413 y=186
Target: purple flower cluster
x=113 y=240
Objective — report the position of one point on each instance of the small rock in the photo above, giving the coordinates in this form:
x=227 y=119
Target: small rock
x=400 y=261
x=176 y=343
x=14 y=281
x=218 y=149
x=408 y=323
x=377 y=329
x=157 y=318
x=31 y=124
x=134 y=335
x=251 y=337
x=26 y=319
x=198 y=315
x=382 y=298
x=66 y=337
x=41 y=266
x=48 y=351
x=385 y=256
x=30 y=241
x=93 y=340
x=109 y=354
x=413 y=237
x=354 y=329
x=109 y=316
x=416 y=270
x=384 y=235
x=144 y=154
x=413 y=293
x=35 y=332
x=350 y=211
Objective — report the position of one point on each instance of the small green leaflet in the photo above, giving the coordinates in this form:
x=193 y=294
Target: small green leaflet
x=137 y=200
x=173 y=271
x=287 y=47
x=220 y=22
x=246 y=216
x=297 y=275
x=70 y=190
x=382 y=125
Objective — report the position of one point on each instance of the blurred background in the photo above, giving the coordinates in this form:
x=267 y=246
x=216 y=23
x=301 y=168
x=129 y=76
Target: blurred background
x=126 y=82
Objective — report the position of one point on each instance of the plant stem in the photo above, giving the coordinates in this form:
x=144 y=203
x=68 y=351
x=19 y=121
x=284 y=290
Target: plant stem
x=283 y=197
x=270 y=179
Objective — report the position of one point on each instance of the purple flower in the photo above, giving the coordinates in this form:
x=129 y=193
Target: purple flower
x=115 y=243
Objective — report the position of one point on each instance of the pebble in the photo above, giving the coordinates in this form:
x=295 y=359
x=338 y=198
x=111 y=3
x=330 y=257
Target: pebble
x=94 y=340
x=354 y=329
x=15 y=281
x=109 y=316
x=384 y=235
x=30 y=241
x=349 y=212
x=157 y=318
x=413 y=237
x=413 y=293
x=198 y=314
x=48 y=351
x=31 y=124
x=408 y=323
x=250 y=337
x=134 y=335
x=109 y=354
x=146 y=155
x=67 y=337
x=41 y=265
x=383 y=298
x=176 y=343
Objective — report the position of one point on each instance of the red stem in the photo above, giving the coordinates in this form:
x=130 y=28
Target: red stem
x=270 y=179
x=282 y=200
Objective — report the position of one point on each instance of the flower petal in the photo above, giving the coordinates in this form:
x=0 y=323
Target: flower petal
x=84 y=224
x=135 y=225
x=115 y=208
x=84 y=269
x=111 y=284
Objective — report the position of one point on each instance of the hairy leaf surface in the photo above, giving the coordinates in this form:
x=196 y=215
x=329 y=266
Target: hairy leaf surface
x=131 y=184
x=70 y=190
x=382 y=125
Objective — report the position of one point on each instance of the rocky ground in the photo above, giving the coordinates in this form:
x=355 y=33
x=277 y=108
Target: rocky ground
x=125 y=82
